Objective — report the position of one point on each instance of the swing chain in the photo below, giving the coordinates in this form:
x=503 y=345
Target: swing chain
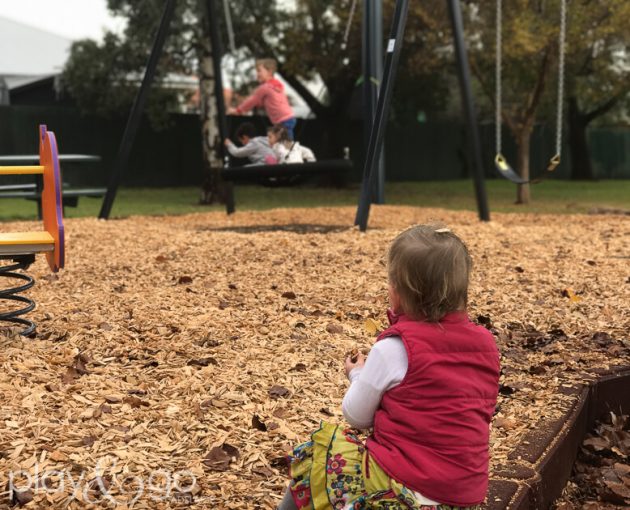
x=555 y=160
x=228 y=26
x=346 y=33
x=498 y=99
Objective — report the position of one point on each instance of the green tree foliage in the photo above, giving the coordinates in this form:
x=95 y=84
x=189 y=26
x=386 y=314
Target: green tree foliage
x=598 y=72
x=306 y=38
x=104 y=78
x=597 y=36
x=530 y=52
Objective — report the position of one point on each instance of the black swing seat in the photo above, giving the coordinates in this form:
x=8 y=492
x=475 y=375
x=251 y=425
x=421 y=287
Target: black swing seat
x=262 y=172
x=505 y=170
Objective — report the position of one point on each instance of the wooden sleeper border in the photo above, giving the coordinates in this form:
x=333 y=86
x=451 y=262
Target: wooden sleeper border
x=541 y=464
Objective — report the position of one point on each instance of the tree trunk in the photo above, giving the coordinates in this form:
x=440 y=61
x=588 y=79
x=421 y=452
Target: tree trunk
x=523 y=138
x=581 y=167
x=213 y=189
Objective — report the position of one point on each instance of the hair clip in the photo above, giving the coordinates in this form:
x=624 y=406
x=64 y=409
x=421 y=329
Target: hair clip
x=443 y=231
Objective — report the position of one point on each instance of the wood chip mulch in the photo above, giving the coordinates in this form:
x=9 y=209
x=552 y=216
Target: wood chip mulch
x=179 y=358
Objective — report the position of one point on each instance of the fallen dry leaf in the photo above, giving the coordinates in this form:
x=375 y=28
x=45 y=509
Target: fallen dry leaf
x=277 y=391
x=135 y=402
x=258 y=424
x=334 y=328
x=217 y=459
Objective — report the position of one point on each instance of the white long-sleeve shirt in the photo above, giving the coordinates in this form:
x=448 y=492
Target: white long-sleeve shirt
x=384 y=369
x=294 y=153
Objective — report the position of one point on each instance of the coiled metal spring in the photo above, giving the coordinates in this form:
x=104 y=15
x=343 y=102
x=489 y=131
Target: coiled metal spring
x=12 y=294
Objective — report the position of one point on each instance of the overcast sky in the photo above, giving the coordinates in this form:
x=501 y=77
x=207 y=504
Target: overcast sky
x=75 y=19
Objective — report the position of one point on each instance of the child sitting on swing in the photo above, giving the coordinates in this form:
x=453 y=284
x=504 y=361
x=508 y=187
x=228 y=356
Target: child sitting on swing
x=255 y=148
x=286 y=150
x=428 y=390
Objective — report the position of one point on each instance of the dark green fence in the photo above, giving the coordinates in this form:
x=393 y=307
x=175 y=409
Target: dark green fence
x=610 y=152
x=169 y=157
x=173 y=157
x=439 y=150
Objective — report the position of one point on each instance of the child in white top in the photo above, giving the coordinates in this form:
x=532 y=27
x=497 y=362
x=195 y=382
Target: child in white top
x=285 y=149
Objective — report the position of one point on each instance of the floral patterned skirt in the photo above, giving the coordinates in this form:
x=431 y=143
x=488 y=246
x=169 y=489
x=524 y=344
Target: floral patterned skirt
x=333 y=471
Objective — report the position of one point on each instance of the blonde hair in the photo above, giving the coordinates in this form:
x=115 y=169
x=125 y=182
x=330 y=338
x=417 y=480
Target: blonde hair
x=281 y=133
x=268 y=63
x=429 y=268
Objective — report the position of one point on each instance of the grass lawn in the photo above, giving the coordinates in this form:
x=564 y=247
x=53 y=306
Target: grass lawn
x=551 y=196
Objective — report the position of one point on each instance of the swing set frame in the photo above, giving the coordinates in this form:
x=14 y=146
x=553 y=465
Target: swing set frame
x=377 y=131
x=228 y=174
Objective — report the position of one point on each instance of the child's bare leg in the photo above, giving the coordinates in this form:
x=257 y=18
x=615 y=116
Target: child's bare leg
x=287 y=502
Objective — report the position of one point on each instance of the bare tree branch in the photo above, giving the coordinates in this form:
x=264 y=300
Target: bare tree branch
x=534 y=97
x=607 y=106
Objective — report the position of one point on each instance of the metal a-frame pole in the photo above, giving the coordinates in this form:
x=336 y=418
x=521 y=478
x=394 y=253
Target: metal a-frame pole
x=217 y=56
x=135 y=116
x=377 y=132
x=372 y=60
x=463 y=69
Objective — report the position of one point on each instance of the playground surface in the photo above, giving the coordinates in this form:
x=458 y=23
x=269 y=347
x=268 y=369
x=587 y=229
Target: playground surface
x=179 y=358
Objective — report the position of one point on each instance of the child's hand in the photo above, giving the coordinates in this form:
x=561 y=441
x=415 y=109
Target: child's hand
x=353 y=362
x=227 y=141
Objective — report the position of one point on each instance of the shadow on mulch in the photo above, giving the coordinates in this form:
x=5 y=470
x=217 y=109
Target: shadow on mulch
x=295 y=228
x=609 y=210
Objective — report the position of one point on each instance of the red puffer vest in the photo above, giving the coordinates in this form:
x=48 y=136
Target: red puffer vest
x=431 y=432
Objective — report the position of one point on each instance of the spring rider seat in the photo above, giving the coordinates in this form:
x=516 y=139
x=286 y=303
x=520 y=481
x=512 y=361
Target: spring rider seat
x=21 y=247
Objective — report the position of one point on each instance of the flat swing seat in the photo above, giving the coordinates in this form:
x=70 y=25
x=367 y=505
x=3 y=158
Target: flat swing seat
x=257 y=172
x=25 y=243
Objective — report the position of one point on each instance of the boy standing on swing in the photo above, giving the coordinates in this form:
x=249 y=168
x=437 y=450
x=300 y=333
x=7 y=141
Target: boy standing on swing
x=270 y=95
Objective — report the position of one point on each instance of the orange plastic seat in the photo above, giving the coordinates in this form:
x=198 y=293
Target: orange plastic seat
x=51 y=240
